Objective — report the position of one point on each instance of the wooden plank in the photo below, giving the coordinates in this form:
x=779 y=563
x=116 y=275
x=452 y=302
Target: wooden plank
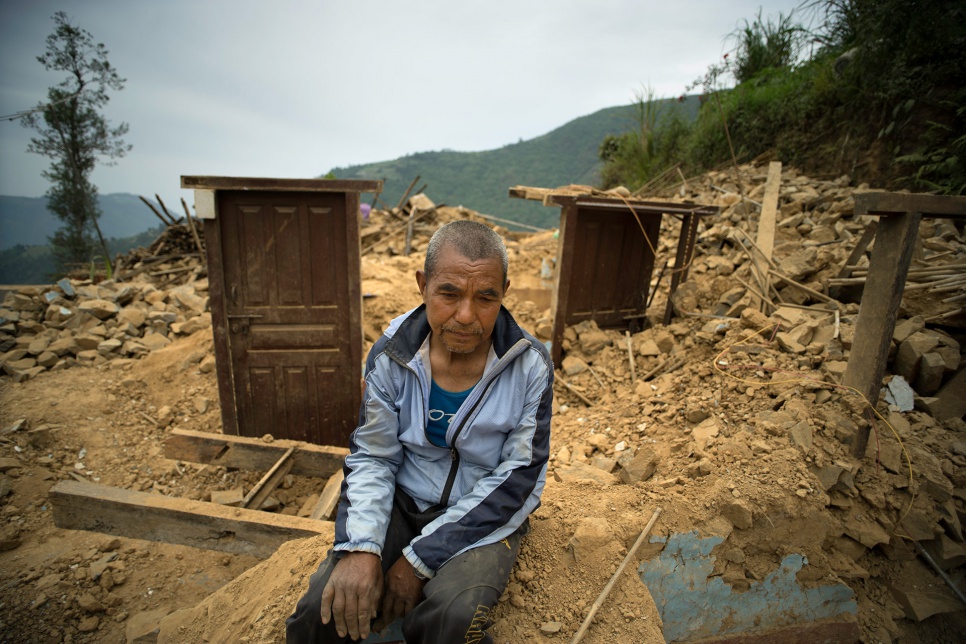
x=329 y=499
x=643 y=207
x=99 y=508
x=766 y=234
x=561 y=297
x=769 y=207
x=258 y=494
x=265 y=183
x=885 y=203
x=247 y=453
x=888 y=267
x=217 y=295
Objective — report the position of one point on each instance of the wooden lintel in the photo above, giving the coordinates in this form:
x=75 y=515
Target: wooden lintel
x=244 y=452
x=267 y=183
x=99 y=508
x=887 y=203
x=329 y=498
x=258 y=494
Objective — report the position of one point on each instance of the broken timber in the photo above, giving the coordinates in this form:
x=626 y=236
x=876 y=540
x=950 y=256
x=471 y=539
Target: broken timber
x=766 y=226
x=329 y=498
x=81 y=505
x=606 y=254
x=247 y=453
x=140 y=515
x=900 y=215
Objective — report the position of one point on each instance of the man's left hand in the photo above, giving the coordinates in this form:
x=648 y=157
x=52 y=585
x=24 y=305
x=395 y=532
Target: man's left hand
x=403 y=589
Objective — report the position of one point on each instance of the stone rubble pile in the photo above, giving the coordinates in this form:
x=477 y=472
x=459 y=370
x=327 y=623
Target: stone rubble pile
x=750 y=403
x=78 y=322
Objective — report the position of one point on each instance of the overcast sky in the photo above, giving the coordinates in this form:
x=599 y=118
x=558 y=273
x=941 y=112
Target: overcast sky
x=293 y=88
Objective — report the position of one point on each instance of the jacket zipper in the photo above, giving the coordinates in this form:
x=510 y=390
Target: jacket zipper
x=451 y=478
x=455 y=456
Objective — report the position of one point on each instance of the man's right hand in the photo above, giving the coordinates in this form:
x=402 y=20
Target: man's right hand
x=352 y=595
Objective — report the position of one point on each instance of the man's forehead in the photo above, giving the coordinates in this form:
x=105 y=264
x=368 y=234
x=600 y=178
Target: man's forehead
x=452 y=261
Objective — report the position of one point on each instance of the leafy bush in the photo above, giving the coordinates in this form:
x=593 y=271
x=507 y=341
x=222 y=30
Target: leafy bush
x=648 y=148
x=764 y=45
x=878 y=97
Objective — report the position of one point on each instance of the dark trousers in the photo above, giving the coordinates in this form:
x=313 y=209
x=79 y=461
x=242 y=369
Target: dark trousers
x=456 y=601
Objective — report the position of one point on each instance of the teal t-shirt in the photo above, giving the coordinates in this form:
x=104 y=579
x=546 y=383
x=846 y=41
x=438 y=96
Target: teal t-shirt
x=442 y=407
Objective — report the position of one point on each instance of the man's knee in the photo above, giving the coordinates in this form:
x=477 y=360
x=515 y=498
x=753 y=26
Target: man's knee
x=460 y=616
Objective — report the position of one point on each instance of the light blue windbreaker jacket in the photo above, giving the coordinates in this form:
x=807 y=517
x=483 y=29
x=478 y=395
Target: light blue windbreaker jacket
x=488 y=482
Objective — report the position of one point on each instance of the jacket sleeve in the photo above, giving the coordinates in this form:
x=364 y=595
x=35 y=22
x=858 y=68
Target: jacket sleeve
x=370 y=468
x=499 y=503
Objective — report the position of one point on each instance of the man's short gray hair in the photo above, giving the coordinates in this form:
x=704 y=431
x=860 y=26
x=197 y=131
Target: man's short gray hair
x=473 y=240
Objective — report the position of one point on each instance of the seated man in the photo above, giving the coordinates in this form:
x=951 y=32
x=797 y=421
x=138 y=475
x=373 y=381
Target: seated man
x=447 y=462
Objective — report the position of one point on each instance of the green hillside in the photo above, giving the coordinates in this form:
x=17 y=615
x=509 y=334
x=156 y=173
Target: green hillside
x=479 y=180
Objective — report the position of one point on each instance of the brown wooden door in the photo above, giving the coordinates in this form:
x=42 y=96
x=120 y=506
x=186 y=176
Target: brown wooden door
x=610 y=265
x=287 y=313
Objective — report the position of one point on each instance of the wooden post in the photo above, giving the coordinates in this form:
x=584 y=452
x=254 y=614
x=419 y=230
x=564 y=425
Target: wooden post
x=888 y=267
x=766 y=223
x=409 y=232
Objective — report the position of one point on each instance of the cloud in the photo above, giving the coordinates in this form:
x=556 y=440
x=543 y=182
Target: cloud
x=294 y=88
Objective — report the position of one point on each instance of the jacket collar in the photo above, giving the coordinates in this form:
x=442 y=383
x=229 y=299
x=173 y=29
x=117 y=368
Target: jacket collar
x=411 y=334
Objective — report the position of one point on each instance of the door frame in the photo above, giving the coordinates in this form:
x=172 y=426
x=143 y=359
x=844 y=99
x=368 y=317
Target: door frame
x=206 y=207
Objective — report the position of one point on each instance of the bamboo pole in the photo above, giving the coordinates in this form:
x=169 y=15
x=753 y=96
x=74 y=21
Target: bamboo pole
x=613 y=580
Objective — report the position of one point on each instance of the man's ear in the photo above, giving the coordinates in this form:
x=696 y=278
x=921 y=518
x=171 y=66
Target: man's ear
x=506 y=287
x=421 y=283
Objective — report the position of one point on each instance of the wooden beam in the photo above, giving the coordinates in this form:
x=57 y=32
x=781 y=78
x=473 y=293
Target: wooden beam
x=258 y=494
x=766 y=231
x=769 y=208
x=888 y=267
x=329 y=498
x=247 y=453
x=887 y=203
x=99 y=508
x=265 y=183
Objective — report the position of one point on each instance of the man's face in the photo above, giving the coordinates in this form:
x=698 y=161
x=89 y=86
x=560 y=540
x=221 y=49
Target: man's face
x=463 y=299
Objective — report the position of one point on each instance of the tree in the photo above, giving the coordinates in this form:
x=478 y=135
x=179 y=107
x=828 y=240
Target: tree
x=74 y=134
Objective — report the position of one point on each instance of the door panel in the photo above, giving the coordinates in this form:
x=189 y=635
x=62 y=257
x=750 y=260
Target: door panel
x=612 y=264
x=288 y=267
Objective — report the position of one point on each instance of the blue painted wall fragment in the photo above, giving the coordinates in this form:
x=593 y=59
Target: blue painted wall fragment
x=694 y=605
